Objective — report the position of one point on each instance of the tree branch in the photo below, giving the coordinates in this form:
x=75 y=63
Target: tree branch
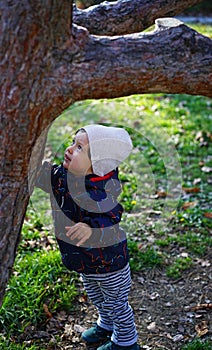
x=172 y=59
x=127 y=16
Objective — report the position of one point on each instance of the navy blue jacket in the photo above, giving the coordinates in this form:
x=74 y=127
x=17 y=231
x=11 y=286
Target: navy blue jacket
x=93 y=200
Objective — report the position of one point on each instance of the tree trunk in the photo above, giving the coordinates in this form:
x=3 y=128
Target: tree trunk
x=30 y=100
x=46 y=66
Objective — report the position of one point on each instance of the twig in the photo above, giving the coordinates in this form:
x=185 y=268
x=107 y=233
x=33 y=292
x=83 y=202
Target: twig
x=201 y=306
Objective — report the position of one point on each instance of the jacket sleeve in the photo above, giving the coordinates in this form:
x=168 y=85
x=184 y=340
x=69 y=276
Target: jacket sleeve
x=43 y=180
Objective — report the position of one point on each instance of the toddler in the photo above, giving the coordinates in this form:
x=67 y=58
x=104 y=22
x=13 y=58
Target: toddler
x=83 y=193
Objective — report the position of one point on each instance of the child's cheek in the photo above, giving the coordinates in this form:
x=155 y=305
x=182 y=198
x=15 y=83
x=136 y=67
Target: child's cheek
x=76 y=163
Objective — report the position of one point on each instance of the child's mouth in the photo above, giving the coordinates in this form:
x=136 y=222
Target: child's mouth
x=67 y=158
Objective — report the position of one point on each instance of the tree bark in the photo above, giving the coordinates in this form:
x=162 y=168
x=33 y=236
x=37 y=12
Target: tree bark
x=30 y=99
x=172 y=59
x=127 y=16
x=46 y=65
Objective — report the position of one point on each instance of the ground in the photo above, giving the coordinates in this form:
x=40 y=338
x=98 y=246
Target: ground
x=167 y=314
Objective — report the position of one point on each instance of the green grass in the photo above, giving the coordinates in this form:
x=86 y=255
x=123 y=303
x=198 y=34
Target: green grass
x=143 y=258
x=39 y=279
x=172 y=142
x=6 y=344
x=178 y=266
x=202 y=28
x=194 y=242
x=198 y=344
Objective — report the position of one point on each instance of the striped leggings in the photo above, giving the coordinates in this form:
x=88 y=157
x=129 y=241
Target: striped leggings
x=109 y=293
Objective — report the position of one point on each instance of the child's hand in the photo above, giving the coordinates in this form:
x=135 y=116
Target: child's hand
x=80 y=231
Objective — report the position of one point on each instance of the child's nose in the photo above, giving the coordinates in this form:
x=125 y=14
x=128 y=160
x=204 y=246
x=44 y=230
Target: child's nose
x=70 y=149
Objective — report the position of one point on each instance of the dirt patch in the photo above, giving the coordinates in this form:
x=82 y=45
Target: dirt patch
x=168 y=313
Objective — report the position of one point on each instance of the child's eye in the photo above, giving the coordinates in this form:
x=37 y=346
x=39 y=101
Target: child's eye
x=79 y=147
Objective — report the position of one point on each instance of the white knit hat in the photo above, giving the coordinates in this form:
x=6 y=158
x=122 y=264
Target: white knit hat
x=109 y=146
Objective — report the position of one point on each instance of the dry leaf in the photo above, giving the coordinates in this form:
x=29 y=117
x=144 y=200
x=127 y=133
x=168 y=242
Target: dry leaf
x=152 y=326
x=78 y=328
x=198 y=135
x=201 y=306
x=161 y=194
x=62 y=316
x=203 y=136
x=46 y=311
x=191 y=189
x=188 y=205
x=204 y=263
x=134 y=215
x=208 y=215
x=201 y=328
x=68 y=331
x=154 y=296
x=83 y=299
x=184 y=255
x=75 y=339
x=206 y=169
x=141 y=280
x=197 y=181
x=178 y=337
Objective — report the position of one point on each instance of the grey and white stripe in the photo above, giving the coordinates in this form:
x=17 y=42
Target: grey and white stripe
x=109 y=293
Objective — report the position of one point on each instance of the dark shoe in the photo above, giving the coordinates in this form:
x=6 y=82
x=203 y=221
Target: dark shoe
x=111 y=346
x=96 y=334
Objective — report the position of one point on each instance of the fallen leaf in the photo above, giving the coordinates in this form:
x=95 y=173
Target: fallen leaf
x=83 y=299
x=206 y=169
x=161 y=194
x=188 y=205
x=151 y=326
x=153 y=212
x=204 y=263
x=201 y=306
x=208 y=215
x=54 y=324
x=62 y=316
x=201 y=328
x=168 y=335
x=75 y=339
x=68 y=331
x=191 y=189
x=41 y=334
x=78 y=328
x=197 y=181
x=46 y=311
x=141 y=280
x=178 y=337
x=184 y=254
x=134 y=215
x=153 y=296
x=203 y=136
x=198 y=135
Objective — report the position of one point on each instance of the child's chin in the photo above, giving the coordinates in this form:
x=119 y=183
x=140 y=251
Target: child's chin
x=65 y=165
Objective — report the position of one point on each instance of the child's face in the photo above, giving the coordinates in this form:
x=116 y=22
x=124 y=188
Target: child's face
x=76 y=159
